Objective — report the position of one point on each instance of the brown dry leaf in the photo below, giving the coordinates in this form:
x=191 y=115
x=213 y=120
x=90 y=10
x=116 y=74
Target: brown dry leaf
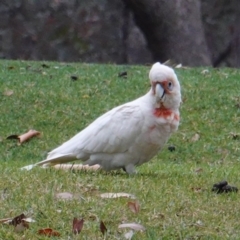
x=134 y=226
x=8 y=93
x=117 y=195
x=103 y=228
x=17 y=220
x=5 y=220
x=14 y=136
x=25 y=136
x=48 y=232
x=123 y=74
x=77 y=225
x=77 y=167
x=19 y=223
x=22 y=226
x=134 y=206
x=195 y=137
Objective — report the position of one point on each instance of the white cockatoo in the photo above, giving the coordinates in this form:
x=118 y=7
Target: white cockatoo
x=128 y=135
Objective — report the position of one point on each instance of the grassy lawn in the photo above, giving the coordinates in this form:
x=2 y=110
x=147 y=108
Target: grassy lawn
x=173 y=190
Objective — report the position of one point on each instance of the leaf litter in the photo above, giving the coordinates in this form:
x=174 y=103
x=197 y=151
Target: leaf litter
x=134 y=206
x=68 y=196
x=133 y=226
x=8 y=93
x=117 y=195
x=20 y=222
x=77 y=225
x=103 y=228
x=48 y=232
x=25 y=136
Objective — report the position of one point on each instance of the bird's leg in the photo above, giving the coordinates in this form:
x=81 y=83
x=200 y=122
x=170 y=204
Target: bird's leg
x=130 y=169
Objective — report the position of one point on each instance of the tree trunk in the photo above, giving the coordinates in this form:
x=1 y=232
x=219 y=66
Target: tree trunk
x=173 y=29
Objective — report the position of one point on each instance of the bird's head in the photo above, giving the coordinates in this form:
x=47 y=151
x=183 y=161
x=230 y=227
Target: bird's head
x=165 y=86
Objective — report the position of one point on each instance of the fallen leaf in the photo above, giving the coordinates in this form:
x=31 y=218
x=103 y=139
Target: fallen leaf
x=74 y=78
x=19 y=223
x=205 y=71
x=22 y=226
x=14 y=136
x=45 y=65
x=8 y=93
x=64 y=196
x=123 y=74
x=103 y=228
x=68 y=196
x=48 y=232
x=77 y=167
x=29 y=220
x=5 y=220
x=171 y=148
x=129 y=235
x=77 y=225
x=134 y=206
x=199 y=223
x=117 y=195
x=25 y=136
x=134 y=226
x=17 y=220
x=195 y=137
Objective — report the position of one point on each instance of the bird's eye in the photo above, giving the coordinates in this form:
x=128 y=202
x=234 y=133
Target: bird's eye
x=170 y=86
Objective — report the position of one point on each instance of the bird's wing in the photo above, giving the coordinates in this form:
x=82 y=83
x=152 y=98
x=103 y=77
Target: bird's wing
x=113 y=132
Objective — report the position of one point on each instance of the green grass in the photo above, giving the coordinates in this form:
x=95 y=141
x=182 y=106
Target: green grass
x=176 y=201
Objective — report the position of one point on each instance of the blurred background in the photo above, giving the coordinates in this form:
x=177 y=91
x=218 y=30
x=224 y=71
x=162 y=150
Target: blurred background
x=191 y=32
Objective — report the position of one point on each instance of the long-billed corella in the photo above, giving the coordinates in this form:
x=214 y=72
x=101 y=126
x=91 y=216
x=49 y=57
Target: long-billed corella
x=130 y=134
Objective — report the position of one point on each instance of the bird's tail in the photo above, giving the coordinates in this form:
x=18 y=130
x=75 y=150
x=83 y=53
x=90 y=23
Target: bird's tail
x=52 y=160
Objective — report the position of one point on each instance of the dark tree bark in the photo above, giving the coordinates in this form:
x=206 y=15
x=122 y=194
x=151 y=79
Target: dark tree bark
x=173 y=29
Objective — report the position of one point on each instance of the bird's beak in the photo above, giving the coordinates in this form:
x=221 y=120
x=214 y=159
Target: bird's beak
x=159 y=92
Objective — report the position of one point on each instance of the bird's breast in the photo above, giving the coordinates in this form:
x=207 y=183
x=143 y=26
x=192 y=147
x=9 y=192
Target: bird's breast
x=166 y=114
